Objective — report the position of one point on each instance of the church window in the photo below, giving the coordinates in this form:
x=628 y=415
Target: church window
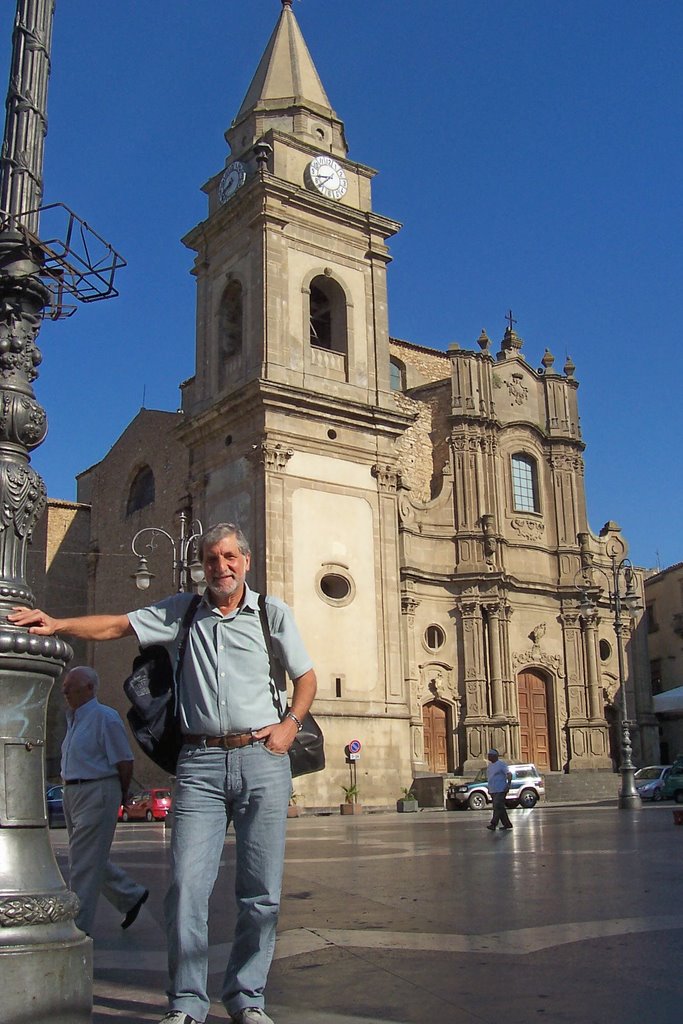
x=398 y=376
x=605 y=650
x=141 y=491
x=524 y=484
x=435 y=637
x=230 y=325
x=335 y=585
x=327 y=315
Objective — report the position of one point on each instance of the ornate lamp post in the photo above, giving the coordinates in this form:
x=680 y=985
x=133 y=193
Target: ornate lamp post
x=623 y=598
x=45 y=961
x=187 y=569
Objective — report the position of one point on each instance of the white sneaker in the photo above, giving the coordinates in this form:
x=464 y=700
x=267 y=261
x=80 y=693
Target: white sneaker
x=252 y=1015
x=177 y=1017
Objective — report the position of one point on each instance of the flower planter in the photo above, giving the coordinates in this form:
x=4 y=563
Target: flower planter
x=292 y=811
x=350 y=809
x=406 y=806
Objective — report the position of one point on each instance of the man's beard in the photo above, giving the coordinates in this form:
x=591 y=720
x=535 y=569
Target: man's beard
x=226 y=587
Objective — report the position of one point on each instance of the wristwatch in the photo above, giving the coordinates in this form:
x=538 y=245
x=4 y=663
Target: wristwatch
x=297 y=721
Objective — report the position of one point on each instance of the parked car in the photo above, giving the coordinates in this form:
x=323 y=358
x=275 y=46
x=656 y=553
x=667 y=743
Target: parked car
x=650 y=781
x=150 y=805
x=526 y=789
x=672 y=788
x=55 y=806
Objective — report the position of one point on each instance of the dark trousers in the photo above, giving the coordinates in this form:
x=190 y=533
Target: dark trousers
x=500 y=813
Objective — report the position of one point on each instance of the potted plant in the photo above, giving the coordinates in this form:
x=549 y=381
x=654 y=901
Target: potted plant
x=350 y=805
x=293 y=810
x=407 y=801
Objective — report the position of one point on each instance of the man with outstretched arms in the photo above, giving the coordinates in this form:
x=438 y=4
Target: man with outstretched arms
x=233 y=766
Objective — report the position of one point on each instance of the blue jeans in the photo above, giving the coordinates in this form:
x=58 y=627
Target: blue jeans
x=249 y=786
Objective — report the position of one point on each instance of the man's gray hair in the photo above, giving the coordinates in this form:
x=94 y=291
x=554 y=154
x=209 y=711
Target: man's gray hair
x=216 y=533
x=87 y=676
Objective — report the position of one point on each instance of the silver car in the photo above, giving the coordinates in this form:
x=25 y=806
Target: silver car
x=526 y=789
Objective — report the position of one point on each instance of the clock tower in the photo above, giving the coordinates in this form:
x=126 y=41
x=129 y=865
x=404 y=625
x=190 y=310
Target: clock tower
x=290 y=421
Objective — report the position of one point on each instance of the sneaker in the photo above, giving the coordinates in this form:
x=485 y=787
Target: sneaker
x=177 y=1017
x=252 y=1015
x=491 y=828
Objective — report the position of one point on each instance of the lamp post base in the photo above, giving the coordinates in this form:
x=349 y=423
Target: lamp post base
x=628 y=799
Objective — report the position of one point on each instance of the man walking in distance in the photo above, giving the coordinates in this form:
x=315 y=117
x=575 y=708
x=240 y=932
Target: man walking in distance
x=97 y=766
x=233 y=767
x=499 y=779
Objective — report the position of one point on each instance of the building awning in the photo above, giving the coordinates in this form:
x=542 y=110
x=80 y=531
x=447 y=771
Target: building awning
x=670 y=700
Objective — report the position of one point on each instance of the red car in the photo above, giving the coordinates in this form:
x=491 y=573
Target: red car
x=150 y=805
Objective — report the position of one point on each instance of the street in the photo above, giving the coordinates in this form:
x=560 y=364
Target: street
x=573 y=916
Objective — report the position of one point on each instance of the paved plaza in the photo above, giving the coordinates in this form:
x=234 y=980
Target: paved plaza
x=574 y=916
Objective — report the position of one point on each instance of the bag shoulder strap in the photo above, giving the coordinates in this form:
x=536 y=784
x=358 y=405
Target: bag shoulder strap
x=272 y=658
x=184 y=634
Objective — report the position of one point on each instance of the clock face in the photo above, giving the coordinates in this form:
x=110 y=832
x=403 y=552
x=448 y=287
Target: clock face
x=328 y=177
x=234 y=177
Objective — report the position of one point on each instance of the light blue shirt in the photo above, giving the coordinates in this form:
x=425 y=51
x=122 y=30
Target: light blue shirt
x=95 y=742
x=225 y=683
x=497 y=775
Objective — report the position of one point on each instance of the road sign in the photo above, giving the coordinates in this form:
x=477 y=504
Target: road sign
x=354 y=757
x=354 y=747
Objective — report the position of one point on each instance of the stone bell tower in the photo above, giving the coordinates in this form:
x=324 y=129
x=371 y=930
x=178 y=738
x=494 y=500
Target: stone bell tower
x=289 y=418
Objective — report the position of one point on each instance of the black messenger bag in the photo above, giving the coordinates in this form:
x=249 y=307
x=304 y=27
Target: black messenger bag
x=151 y=689
x=307 y=752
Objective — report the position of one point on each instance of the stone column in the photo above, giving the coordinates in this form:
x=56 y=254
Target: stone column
x=595 y=708
x=495 y=664
x=476 y=710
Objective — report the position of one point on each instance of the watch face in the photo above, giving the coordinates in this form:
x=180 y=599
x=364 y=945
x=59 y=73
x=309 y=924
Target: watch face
x=328 y=177
x=234 y=177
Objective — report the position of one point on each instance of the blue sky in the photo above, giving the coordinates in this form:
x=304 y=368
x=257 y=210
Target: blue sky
x=532 y=151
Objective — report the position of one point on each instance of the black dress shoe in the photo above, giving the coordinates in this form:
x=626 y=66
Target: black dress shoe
x=132 y=914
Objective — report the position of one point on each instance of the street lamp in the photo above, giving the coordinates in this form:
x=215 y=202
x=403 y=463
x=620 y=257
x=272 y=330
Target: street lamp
x=623 y=597
x=187 y=569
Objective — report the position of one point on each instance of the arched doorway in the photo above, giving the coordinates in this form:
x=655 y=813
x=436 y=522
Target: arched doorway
x=534 y=726
x=435 y=721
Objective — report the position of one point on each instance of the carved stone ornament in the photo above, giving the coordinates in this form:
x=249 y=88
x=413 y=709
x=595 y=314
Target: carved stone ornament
x=409 y=605
x=567 y=462
x=436 y=681
x=537 y=633
x=16 y=911
x=272 y=456
x=518 y=392
x=475 y=443
x=406 y=509
x=530 y=529
x=534 y=656
x=386 y=477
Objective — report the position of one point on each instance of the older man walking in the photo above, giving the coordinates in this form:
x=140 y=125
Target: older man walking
x=233 y=766
x=499 y=778
x=97 y=766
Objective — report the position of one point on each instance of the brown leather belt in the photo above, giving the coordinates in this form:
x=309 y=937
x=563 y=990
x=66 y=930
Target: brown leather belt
x=228 y=742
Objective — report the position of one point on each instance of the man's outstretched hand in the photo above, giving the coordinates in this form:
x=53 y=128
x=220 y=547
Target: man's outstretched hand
x=37 y=621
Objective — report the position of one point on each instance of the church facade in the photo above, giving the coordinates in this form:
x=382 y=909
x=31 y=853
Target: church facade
x=420 y=510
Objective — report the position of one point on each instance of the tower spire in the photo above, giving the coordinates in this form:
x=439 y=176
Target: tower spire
x=286 y=93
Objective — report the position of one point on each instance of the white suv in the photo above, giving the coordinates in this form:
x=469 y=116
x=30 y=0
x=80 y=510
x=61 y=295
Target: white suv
x=526 y=789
